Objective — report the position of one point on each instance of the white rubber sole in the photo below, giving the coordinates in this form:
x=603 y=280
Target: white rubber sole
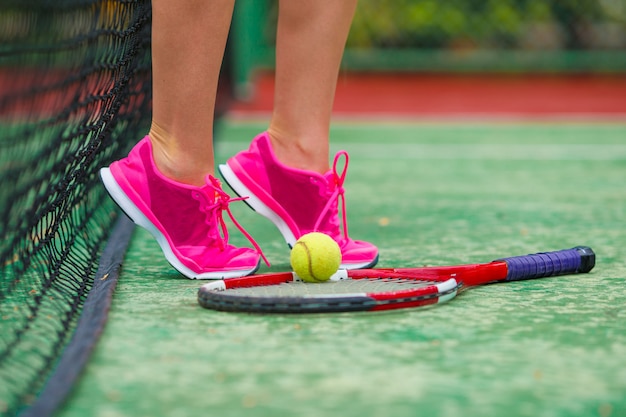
x=122 y=200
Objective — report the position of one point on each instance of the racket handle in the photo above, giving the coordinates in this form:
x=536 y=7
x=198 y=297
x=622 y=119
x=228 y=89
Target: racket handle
x=568 y=261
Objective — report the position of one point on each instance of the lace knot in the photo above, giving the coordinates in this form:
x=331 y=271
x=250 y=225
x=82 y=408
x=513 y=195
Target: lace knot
x=338 y=194
x=214 y=206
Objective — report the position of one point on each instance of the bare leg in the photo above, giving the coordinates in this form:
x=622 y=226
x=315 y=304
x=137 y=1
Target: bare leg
x=310 y=43
x=188 y=41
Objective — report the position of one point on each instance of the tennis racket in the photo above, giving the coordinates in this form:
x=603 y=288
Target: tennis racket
x=383 y=288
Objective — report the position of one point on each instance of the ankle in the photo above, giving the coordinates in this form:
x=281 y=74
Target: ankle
x=176 y=163
x=308 y=153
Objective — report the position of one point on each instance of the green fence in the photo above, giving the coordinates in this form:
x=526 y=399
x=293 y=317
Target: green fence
x=455 y=35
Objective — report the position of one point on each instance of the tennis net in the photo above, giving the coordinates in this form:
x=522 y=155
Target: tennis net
x=74 y=95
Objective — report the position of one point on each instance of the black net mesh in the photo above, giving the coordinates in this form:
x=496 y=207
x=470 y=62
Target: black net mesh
x=74 y=95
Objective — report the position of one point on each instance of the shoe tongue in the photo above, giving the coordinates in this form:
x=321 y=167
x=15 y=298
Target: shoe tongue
x=212 y=182
x=212 y=188
x=329 y=177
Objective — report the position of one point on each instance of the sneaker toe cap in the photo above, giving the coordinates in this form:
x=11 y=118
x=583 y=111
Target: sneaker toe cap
x=358 y=254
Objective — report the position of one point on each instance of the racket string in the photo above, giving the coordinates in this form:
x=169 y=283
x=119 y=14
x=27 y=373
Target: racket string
x=344 y=286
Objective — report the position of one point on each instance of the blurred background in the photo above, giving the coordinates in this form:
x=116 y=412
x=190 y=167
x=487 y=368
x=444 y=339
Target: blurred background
x=505 y=40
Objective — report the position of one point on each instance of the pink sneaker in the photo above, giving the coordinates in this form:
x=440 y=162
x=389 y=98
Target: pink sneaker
x=184 y=219
x=296 y=201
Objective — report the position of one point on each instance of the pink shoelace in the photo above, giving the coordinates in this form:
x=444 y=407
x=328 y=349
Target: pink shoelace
x=214 y=209
x=338 y=194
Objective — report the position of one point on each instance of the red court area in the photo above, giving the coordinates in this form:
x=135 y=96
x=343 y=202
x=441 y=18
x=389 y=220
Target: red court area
x=453 y=95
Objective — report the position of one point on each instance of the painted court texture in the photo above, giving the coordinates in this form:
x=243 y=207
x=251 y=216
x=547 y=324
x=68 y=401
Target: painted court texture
x=456 y=179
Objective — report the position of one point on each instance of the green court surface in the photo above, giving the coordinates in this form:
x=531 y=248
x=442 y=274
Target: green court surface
x=427 y=194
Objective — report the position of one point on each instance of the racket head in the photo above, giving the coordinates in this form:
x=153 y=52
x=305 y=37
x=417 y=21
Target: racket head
x=383 y=288
x=286 y=293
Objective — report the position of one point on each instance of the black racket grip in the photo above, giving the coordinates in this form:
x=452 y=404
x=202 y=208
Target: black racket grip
x=580 y=259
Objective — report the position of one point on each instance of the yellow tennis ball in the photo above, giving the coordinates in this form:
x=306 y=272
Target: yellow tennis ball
x=315 y=257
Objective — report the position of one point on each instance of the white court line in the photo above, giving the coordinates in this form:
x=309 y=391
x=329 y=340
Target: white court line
x=533 y=152
x=404 y=151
